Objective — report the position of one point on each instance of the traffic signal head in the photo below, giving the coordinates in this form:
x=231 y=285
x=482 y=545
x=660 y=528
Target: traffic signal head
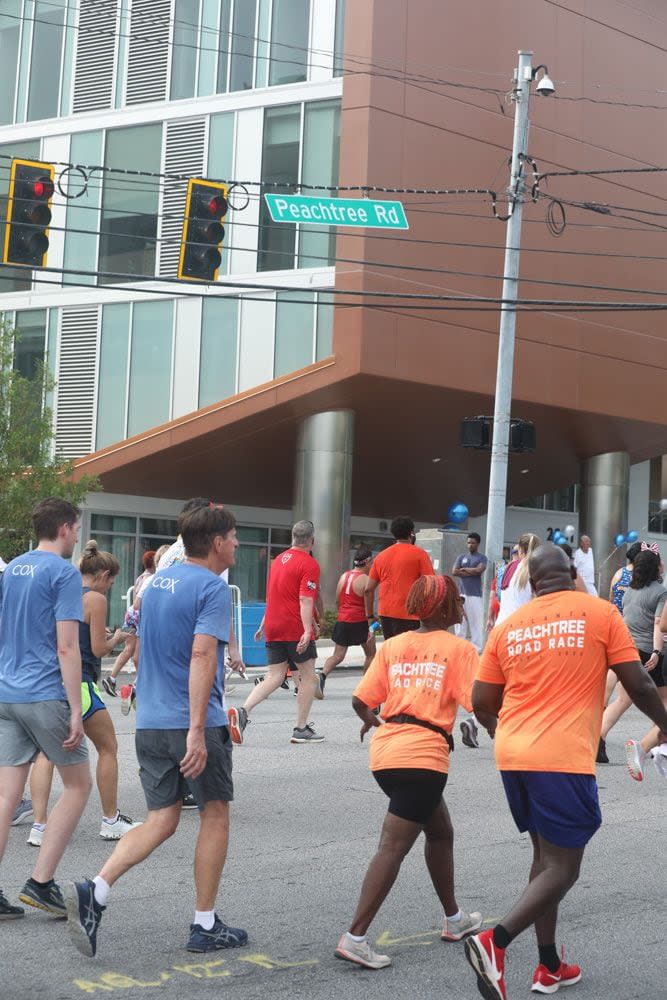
x=28 y=213
x=203 y=232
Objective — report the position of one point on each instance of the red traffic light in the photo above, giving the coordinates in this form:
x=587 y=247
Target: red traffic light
x=217 y=206
x=31 y=189
x=43 y=188
x=203 y=232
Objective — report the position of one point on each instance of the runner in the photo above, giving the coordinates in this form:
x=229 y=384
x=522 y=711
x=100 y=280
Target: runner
x=99 y=571
x=420 y=678
x=289 y=626
x=182 y=737
x=544 y=671
x=394 y=570
x=351 y=628
x=41 y=606
x=129 y=628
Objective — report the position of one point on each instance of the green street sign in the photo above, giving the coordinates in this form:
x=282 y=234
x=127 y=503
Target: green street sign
x=361 y=213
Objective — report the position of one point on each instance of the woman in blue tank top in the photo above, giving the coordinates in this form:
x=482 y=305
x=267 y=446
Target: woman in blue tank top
x=621 y=579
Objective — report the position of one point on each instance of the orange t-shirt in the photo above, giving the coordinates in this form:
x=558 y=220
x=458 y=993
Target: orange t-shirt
x=425 y=674
x=552 y=657
x=396 y=569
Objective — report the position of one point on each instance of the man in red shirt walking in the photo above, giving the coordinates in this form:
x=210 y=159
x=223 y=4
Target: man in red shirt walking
x=289 y=627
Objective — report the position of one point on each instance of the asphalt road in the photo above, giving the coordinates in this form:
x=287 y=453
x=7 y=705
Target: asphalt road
x=304 y=825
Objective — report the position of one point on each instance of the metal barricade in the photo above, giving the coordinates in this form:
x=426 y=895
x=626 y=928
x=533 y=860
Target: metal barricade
x=237 y=616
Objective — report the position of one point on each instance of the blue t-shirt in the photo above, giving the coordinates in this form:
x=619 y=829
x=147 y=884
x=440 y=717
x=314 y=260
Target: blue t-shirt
x=180 y=602
x=37 y=590
x=471 y=586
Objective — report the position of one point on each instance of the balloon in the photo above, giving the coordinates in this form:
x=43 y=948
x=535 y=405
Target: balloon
x=457 y=513
x=619 y=540
x=663 y=504
x=633 y=536
x=569 y=530
x=559 y=538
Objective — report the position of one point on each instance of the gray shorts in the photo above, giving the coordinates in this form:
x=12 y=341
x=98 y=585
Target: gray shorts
x=160 y=752
x=29 y=727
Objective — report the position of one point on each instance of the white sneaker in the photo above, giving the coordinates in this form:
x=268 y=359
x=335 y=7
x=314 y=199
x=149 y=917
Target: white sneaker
x=659 y=755
x=117 y=829
x=634 y=758
x=361 y=953
x=456 y=930
x=35 y=835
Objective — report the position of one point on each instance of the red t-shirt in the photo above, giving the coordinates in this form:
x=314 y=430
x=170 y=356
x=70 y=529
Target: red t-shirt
x=350 y=604
x=294 y=574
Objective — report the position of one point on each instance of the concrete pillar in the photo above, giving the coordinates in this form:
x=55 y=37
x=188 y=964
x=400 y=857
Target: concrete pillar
x=603 y=513
x=323 y=490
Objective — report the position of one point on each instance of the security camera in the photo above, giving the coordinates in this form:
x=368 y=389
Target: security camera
x=545 y=87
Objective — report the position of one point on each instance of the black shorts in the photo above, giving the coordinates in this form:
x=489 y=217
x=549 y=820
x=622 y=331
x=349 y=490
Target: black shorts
x=414 y=793
x=657 y=675
x=350 y=633
x=160 y=752
x=285 y=652
x=397 y=626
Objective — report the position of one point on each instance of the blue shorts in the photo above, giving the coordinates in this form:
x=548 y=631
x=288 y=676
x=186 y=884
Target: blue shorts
x=91 y=699
x=562 y=808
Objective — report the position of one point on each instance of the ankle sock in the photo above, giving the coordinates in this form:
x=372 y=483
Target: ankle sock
x=455 y=918
x=112 y=819
x=501 y=937
x=358 y=938
x=41 y=885
x=549 y=957
x=39 y=826
x=205 y=919
x=102 y=890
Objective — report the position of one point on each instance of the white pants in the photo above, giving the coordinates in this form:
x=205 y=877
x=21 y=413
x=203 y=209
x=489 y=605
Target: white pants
x=471 y=627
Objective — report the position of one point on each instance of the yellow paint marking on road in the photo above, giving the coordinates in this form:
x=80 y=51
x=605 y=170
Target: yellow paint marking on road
x=110 y=981
x=385 y=940
x=264 y=962
x=204 y=970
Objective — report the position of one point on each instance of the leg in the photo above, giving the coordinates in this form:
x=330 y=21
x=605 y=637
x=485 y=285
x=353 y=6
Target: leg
x=336 y=657
x=275 y=675
x=439 y=855
x=396 y=840
x=369 y=650
x=474 y=609
x=652 y=737
x=99 y=728
x=63 y=819
x=138 y=843
x=545 y=925
x=210 y=853
x=553 y=873
x=12 y=783
x=613 y=712
x=612 y=681
x=126 y=652
x=41 y=778
x=304 y=699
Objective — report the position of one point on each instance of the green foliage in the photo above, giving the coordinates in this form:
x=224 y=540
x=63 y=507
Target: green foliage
x=330 y=616
x=29 y=471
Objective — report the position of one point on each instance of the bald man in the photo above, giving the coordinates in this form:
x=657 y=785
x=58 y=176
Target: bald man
x=543 y=674
x=584 y=561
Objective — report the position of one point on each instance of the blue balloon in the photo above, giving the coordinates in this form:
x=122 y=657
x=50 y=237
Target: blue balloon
x=632 y=536
x=619 y=540
x=457 y=513
x=559 y=538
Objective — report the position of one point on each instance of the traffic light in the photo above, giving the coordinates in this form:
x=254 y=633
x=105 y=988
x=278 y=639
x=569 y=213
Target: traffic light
x=203 y=232
x=28 y=213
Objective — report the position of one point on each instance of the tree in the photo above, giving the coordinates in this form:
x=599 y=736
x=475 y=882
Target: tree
x=29 y=469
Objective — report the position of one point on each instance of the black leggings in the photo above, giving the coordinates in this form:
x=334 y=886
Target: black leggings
x=657 y=675
x=414 y=793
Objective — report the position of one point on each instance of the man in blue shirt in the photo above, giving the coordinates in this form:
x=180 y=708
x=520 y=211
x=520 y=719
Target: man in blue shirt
x=183 y=743
x=469 y=570
x=41 y=605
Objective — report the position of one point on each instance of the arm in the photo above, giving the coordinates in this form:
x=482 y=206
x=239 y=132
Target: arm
x=69 y=656
x=369 y=719
x=260 y=630
x=642 y=691
x=487 y=700
x=477 y=570
x=369 y=596
x=235 y=660
x=614 y=580
x=306 y=607
x=339 y=587
x=101 y=646
x=203 y=668
x=456 y=568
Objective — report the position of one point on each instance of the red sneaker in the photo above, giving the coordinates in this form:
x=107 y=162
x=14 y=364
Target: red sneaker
x=488 y=962
x=545 y=981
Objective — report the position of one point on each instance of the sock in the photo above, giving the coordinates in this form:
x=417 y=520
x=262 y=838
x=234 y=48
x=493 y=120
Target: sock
x=41 y=885
x=110 y=819
x=40 y=826
x=549 y=956
x=358 y=938
x=102 y=890
x=455 y=918
x=501 y=938
x=205 y=919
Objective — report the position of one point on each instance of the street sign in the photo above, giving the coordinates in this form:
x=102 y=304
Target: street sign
x=361 y=213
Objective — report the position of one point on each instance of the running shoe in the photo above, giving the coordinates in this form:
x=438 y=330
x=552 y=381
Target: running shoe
x=22 y=811
x=361 y=953
x=488 y=963
x=306 y=735
x=118 y=828
x=602 y=753
x=84 y=914
x=237 y=719
x=469 y=732
x=660 y=760
x=46 y=897
x=284 y=685
x=220 y=936
x=109 y=685
x=456 y=930
x=635 y=759
x=319 y=688
x=7 y=911
x=36 y=834
x=127 y=696
x=545 y=981
x=189 y=801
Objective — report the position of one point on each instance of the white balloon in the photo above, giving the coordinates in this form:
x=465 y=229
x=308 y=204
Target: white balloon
x=663 y=504
x=569 y=529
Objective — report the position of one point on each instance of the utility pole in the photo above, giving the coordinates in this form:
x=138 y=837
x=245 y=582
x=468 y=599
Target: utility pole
x=495 y=526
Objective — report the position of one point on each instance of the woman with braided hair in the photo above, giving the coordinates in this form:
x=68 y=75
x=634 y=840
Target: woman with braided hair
x=420 y=678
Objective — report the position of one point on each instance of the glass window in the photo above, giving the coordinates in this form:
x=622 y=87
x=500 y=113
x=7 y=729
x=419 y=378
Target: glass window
x=295 y=317
x=184 y=50
x=46 y=59
x=290 y=32
x=258 y=535
x=83 y=218
x=14 y=279
x=339 y=43
x=249 y=572
x=10 y=28
x=130 y=204
x=164 y=527
x=325 y=321
x=150 y=365
x=280 y=164
x=243 y=44
x=218 y=355
x=221 y=164
x=112 y=381
x=113 y=522
x=224 y=47
x=281 y=536
x=30 y=346
x=321 y=155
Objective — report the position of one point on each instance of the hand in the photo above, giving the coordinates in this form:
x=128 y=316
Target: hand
x=117 y=637
x=303 y=643
x=235 y=663
x=652 y=661
x=370 y=642
x=259 y=633
x=369 y=724
x=196 y=754
x=76 y=733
